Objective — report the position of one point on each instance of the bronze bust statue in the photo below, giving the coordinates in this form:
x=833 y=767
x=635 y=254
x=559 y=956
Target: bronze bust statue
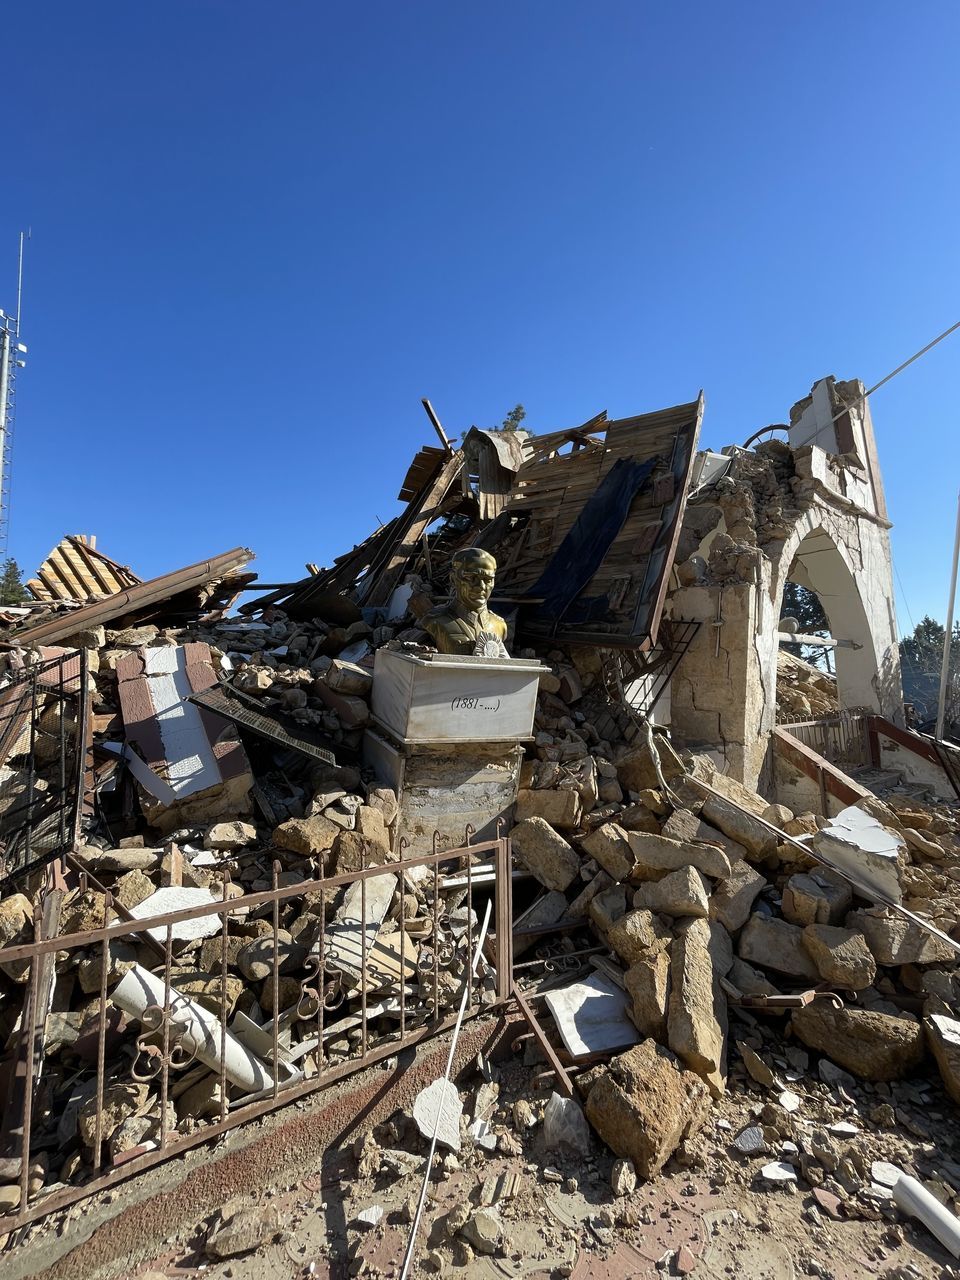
x=464 y=625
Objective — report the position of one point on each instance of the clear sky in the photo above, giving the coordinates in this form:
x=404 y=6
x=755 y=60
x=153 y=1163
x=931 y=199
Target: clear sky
x=261 y=232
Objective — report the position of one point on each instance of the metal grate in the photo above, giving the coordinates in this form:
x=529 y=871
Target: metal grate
x=841 y=738
x=359 y=984
x=43 y=715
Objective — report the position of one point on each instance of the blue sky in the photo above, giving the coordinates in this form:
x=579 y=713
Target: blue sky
x=261 y=232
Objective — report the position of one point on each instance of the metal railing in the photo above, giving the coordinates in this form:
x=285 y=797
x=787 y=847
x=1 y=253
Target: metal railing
x=43 y=717
x=841 y=738
x=201 y=1019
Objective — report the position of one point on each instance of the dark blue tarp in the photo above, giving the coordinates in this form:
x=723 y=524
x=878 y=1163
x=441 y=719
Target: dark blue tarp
x=582 y=551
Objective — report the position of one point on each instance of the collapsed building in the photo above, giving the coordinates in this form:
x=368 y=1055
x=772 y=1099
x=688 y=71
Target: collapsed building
x=247 y=846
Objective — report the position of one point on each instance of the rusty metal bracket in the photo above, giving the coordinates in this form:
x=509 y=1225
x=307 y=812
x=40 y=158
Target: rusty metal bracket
x=564 y=1083
x=797 y=1000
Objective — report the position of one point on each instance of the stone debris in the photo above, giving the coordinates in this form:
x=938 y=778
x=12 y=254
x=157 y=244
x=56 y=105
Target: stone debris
x=677 y=931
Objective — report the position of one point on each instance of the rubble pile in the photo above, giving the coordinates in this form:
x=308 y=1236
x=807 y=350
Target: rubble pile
x=804 y=690
x=699 y=904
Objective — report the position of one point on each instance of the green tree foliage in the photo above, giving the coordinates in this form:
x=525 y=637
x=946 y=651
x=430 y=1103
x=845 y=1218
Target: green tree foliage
x=804 y=605
x=12 y=590
x=921 y=657
x=513 y=419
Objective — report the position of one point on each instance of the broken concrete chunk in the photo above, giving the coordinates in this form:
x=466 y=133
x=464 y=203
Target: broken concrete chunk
x=437 y=1109
x=775 y=944
x=873 y=1046
x=645 y=1105
x=842 y=956
x=564 y=1124
x=655 y=855
x=680 y=893
x=591 y=1015
x=16 y=928
x=857 y=844
x=733 y=898
x=544 y=853
x=696 y=1017
x=561 y=809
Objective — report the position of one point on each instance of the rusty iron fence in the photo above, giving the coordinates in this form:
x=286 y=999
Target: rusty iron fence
x=197 y=1020
x=841 y=738
x=43 y=717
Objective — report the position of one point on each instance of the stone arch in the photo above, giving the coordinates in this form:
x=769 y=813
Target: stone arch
x=857 y=602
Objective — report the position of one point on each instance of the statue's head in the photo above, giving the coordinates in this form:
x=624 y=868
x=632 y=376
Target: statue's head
x=472 y=575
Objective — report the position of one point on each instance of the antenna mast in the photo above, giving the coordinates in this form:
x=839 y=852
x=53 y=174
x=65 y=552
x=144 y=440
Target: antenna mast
x=12 y=352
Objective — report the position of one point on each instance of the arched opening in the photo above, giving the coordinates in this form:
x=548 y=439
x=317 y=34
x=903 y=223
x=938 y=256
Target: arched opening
x=820 y=567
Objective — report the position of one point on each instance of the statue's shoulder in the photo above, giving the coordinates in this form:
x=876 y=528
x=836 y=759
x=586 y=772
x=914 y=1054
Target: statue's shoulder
x=439 y=613
x=497 y=625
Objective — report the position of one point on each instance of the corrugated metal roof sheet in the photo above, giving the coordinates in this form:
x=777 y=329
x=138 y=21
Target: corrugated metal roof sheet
x=75 y=570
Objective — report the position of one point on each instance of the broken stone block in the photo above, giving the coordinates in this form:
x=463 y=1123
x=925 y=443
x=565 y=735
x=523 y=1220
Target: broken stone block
x=682 y=825
x=645 y=1105
x=117 y=861
x=243 y=1232
x=609 y=846
x=694 y=1030
x=655 y=855
x=255 y=960
x=750 y=981
x=873 y=1046
x=740 y=826
x=943 y=1037
x=352 y=850
x=483 y=1231
x=122 y=956
x=371 y=825
x=636 y=817
x=895 y=940
x=841 y=956
x=347 y=677
x=384 y=799
x=16 y=928
x=310 y=837
x=816 y=898
x=544 y=853
x=132 y=889
x=648 y=985
x=120 y=1101
x=706 y=834
x=634 y=934
x=680 y=893
x=775 y=944
x=721 y=948
x=561 y=809
x=230 y=835
x=733 y=898
x=607 y=907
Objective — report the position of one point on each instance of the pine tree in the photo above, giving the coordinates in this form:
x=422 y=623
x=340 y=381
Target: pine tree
x=12 y=590
x=513 y=419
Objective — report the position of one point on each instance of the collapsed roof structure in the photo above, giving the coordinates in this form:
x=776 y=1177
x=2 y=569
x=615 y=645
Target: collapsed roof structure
x=210 y=824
